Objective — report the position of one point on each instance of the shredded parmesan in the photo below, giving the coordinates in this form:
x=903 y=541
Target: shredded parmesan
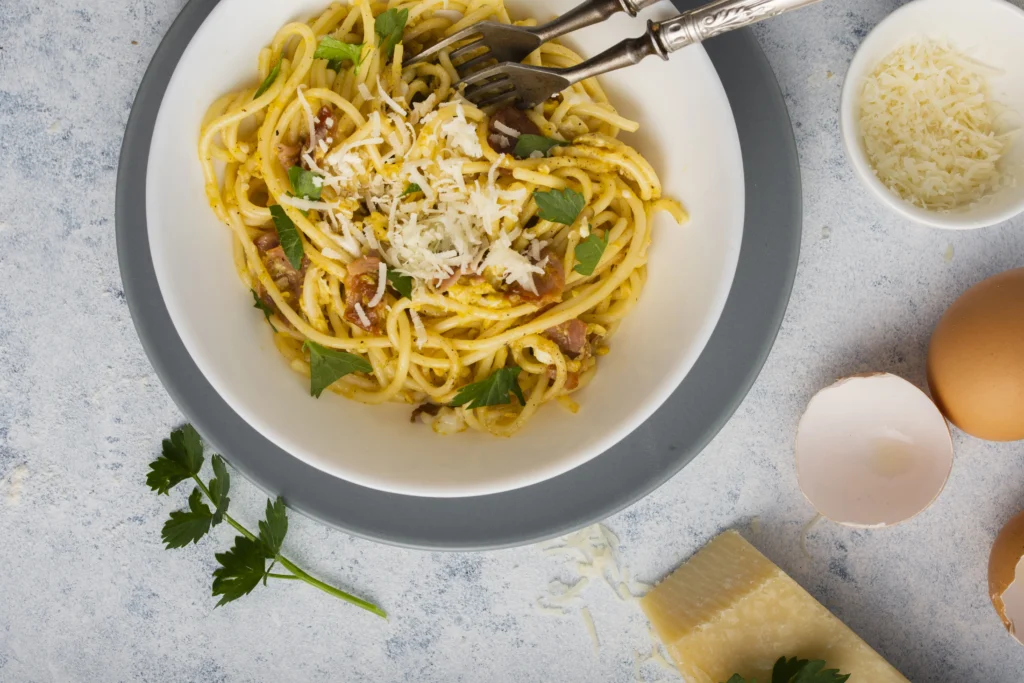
x=417 y=326
x=397 y=108
x=929 y=128
x=588 y=622
x=506 y=130
x=362 y=315
x=382 y=282
x=365 y=92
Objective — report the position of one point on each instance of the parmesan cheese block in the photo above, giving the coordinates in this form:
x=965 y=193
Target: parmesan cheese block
x=730 y=610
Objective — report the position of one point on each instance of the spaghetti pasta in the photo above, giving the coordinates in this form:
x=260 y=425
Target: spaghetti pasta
x=443 y=250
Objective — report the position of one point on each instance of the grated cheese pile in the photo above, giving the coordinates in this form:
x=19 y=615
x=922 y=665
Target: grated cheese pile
x=455 y=223
x=929 y=128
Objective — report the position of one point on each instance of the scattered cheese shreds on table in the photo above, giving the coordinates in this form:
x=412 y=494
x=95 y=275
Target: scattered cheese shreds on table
x=593 y=554
x=929 y=129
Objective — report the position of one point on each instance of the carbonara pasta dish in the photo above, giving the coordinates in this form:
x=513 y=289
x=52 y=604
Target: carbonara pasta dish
x=405 y=245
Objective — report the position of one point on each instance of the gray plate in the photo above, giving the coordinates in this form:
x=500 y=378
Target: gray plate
x=652 y=454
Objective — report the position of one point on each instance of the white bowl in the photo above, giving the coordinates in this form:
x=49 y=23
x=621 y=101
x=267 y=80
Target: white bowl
x=991 y=31
x=688 y=134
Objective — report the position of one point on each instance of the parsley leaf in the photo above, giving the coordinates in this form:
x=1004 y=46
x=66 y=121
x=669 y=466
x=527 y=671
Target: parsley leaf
x=411 y=188
x=189 y=526
x=303 y=183
x=219 y=487
x=336 y=52
x=589 y=252
x=288 y=234
x=799 y=671
x=262 y=305
x=182 y=457
x=559 y=206
x=269 y=80
x=401 y=283
x=274 y=528
x=527 y=144
x=492 y=391
x=389 y=26
x=803 y=671
x=327 y=366
x=241 y=569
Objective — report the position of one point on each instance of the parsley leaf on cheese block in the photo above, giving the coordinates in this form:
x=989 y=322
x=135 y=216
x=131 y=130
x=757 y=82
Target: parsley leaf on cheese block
x=589 y=252
x=559 y=206
x=389 y=26
x=327 y=366
x=798 y=671
x=305 y=184
x=527 y=144
x=492 y=391
x=288 y=234
x=729 y=610
x=337 y=52
x=269 y=80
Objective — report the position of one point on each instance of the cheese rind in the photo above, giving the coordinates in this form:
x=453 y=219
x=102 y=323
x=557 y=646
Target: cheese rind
x=730 y=610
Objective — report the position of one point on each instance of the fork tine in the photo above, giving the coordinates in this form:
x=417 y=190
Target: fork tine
x=505 y=96
x=466 y=66
x=437 y=47
x=477 y=78
x=487 y=91
x=466 y=49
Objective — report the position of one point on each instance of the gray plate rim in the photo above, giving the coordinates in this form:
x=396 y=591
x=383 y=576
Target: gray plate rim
x=647 y=458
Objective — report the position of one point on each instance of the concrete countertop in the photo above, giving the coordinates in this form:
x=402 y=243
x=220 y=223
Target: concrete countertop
x=87 y=592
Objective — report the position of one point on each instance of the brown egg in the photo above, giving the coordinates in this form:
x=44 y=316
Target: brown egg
x=1003 y=575
x=976 y=359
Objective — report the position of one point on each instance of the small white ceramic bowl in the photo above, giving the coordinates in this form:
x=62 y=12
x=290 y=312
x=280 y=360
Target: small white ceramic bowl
x=689 y=137
x=990 y=31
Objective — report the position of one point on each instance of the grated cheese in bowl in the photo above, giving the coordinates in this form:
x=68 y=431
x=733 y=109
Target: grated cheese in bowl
x=929 y=128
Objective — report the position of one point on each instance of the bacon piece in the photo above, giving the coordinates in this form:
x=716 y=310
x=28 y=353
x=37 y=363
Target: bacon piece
x=549 y=284
x=288 y=155
x=513 y=118
x=360 y=288
x=287 y=278
x=571 y=336
x=431 y=409
x=572 y=378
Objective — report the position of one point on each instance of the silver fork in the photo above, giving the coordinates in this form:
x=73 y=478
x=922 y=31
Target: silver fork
x=531 y=85
x=506 y=43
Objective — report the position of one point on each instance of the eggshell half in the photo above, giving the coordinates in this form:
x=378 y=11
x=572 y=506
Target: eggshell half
x=1006 y=576
x=872 y=450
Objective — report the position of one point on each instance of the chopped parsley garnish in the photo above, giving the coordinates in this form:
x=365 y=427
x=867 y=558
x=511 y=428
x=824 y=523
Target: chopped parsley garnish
x=262 y=305
x=389 y=26
x=559 y=206
x=411 y=188
x=269 y=80
x=492 y=391
x=288 y=234
x=400 y=282
x=244 y=566
x=327 y=366
x=527 y=144
x=589 y=252
x=798 y=671
x=336 y=52
x=305 y=184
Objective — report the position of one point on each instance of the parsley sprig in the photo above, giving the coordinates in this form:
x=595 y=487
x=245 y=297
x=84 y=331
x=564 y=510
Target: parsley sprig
x=795 y=670
x=494 y=390
x=244 y=566
x=389 y=26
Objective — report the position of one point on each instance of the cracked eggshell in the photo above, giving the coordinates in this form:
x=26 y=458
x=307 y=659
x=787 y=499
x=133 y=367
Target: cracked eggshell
x=872 y=450
x=1006 y=576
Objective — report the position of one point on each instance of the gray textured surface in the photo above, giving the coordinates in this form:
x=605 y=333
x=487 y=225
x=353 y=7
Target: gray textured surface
x=87 y=592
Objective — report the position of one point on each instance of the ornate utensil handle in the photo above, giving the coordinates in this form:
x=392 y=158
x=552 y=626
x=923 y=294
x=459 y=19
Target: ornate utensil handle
x=587 y=14
x=720 y=16
x=688 y=28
